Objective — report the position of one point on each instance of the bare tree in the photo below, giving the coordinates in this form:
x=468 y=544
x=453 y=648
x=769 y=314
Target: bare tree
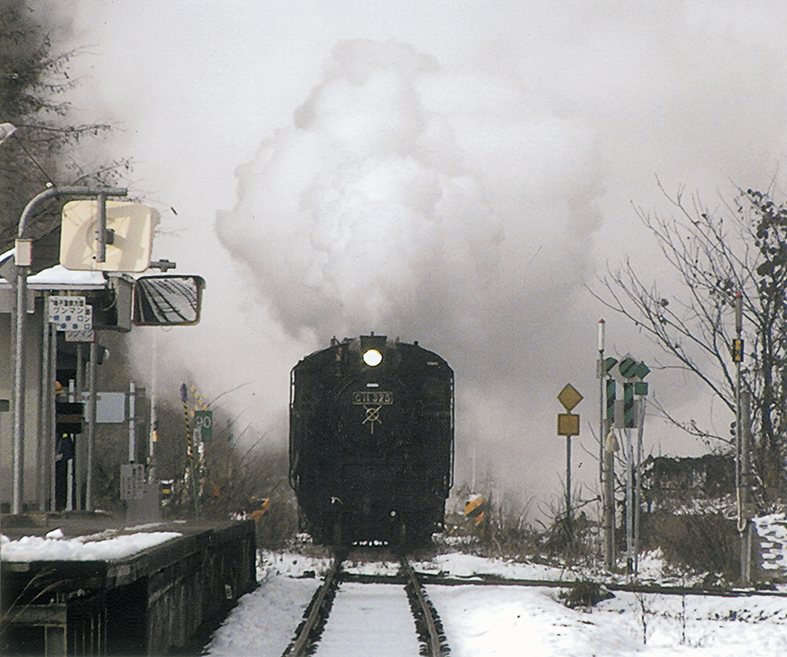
x=739 y=248
x=47 y=147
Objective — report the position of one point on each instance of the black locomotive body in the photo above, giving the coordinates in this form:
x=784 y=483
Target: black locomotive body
x=372 y=441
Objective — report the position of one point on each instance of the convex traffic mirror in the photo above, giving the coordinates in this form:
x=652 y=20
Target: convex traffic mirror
x=167 y=300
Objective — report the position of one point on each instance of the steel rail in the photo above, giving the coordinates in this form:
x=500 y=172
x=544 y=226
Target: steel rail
x=302 y=643
x=641 y=587
x=424 y=611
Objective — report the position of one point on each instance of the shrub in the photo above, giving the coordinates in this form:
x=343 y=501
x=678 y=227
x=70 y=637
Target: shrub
x=585 y=594
x=702 y=543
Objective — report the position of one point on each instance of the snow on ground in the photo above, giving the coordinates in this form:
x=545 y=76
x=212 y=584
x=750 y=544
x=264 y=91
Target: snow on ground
x=468 y=566
x=479 y=621
x=358 y=607
x=264 y=621
x=533 y=622
x=54 y=547
x=491 y=621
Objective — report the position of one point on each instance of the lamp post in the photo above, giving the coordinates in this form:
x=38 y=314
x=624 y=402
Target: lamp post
x=6 y=130
x=23 y=260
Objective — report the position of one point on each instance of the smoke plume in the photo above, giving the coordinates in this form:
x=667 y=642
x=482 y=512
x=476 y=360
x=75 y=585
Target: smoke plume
x=451 y=173
x=402 y=199
x=427 y=204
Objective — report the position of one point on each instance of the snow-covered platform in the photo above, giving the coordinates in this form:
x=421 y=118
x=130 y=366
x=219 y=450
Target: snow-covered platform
x=88 y=584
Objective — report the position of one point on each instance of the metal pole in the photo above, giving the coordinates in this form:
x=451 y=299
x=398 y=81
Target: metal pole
x=568 y=484
x=602 y=464
x=132 y=422
x=91 y=422
x=18 y=452
x=745 y=525
x=153 y=439
x=80 y=379
x=629 y=504
x=6 y=130
x=638 y=481
x=80 y=448
x=601 y=325
x=101 y=237
x=739 y=431
x=52 y=436
x=609 y=497
x=70 y=470
x=23 y=265
x=47 y=390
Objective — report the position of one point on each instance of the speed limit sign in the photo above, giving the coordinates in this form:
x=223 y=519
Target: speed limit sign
x=203 y=426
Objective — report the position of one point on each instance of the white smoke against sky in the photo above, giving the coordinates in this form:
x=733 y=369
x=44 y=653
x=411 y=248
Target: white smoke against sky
x=408 y=200
x=452 y=172
x=420 y=203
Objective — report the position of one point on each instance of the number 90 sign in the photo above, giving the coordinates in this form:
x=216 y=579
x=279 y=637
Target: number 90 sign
x=203 y=426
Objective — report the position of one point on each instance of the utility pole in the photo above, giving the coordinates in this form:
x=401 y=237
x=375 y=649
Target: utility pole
x=742 y=449
x=610 y=445
x=600 y=373
x=737 y=356
x=629 y=504
x=606 y=394
x=745 y=525
x=605 y=457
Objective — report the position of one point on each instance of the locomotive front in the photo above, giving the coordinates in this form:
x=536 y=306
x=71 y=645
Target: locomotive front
x=371 y=441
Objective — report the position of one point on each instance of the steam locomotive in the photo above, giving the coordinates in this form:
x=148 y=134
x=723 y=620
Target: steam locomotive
x=372 y=442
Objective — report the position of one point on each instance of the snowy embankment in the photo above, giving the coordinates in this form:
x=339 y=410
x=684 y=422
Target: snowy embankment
x=483 y=621
x=492 y=621
x=102 y=547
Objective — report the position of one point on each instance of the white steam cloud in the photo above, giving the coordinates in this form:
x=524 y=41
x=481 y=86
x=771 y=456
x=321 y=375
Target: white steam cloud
x=454 y=173
x=428 y=204
x=410 y=200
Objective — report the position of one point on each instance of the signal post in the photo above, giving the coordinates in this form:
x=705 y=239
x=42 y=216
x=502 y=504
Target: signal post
x=627 y=413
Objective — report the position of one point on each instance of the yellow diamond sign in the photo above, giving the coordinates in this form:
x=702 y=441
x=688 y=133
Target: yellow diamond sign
x=569 y=397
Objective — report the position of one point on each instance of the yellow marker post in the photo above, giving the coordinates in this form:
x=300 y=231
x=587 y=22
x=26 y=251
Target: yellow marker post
x=568 y=425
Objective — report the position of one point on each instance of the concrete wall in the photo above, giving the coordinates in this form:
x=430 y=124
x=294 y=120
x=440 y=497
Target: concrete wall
x=199 y=589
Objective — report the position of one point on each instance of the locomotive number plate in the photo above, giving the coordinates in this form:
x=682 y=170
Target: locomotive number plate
x=373 y=398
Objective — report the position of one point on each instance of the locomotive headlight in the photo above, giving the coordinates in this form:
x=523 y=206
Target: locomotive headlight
x=372 y=357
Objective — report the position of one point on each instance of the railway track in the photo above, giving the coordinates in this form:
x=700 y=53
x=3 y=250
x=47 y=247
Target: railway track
x=639 y=587
x=425 y=621
x=314 y=636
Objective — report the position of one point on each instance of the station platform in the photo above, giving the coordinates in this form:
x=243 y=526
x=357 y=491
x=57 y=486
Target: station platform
x=91 y=584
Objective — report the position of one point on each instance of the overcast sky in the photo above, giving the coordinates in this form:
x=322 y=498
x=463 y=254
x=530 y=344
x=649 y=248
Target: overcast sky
x=449 y=172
